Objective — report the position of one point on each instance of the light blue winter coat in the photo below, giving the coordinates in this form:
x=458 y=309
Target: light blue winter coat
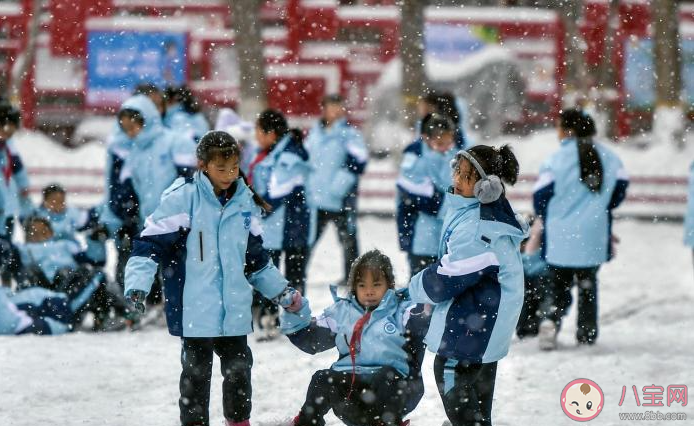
x=577 y=222
x=65 y=225
x=14 y=204
x=383 y=338
x=49 y=312
x=211 y=257
x=50 y=256
x=689 y=217
x=337 y=156
x=425 y=176
x=156 y=157
x=192 y=126
x=477 y=286
x=280 y=178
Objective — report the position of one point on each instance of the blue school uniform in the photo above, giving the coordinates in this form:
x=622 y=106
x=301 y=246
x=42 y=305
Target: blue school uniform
x=211 y=253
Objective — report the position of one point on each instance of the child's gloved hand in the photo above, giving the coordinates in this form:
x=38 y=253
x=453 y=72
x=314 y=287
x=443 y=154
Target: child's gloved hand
x=289 y=299
x=136 y=300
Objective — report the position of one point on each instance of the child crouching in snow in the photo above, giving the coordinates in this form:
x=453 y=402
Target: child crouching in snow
x=378 y=333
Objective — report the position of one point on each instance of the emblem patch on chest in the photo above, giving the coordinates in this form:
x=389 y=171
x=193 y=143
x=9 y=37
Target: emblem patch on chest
x=246 y=220
x=390 y=328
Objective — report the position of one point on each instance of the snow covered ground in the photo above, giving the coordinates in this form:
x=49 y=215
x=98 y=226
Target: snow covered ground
x=124 y=379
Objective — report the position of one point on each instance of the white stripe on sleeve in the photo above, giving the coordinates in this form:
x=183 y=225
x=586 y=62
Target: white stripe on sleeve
x=256 y=226
x=466 y=266
x=278 y=190
x=424 y=189
x=622 y=174
x=326 y=322
x=185 y=160
x=361 y=154
x=543 y=180
x=166 y=225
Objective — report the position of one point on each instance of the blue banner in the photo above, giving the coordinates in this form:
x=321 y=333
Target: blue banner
x=118 y=60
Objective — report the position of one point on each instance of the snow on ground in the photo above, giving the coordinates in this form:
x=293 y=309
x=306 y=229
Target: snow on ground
x=124 y=379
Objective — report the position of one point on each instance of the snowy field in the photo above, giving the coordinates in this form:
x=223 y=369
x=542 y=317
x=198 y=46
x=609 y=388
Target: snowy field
x=124 y=379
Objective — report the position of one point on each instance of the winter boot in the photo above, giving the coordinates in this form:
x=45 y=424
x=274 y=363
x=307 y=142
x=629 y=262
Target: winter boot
x=548 y=335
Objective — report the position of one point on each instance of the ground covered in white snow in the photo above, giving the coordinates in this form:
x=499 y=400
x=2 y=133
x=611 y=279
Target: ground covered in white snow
x=124 y=379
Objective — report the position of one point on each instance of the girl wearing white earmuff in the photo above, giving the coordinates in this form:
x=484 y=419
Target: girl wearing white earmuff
x=476 y=286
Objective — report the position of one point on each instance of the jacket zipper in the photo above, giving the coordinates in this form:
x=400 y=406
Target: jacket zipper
x=201 y=250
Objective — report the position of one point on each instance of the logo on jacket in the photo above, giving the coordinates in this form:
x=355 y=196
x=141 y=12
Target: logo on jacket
x=390 y=328
x=246 y=220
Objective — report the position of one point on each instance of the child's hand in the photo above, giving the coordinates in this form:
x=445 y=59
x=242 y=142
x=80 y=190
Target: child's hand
x=136 y=300
x=290 y=299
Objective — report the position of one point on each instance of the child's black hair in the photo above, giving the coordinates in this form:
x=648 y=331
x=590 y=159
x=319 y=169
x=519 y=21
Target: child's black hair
x=272 y=120
x=375 y=262
x=501 y=162
x=132 y=114
x=445 y=104
x=582 y=126
x=147 y=89
x=53 y=188
x=435 y=124
x=188 y=101
x=220 y=144
x=9 y=114
x=29 y=223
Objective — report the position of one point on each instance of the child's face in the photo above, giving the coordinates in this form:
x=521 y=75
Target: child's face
x=265 y=139
x=370 y=291
x=333 y=111
x=130 y=127
x=221 y=172
x=440 y=143
x=464 y=179
x=7 y=131
x=39 y=232
x=55 y=202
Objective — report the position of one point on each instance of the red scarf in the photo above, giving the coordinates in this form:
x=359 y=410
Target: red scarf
x=7 y=169
x=355 y=345
x=260 y=156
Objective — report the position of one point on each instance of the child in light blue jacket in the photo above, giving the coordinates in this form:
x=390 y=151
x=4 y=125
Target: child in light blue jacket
x=206 y=237
x=577 y=189
x=476 y=286
x=689 y=217
x=378 y=333
x=338 y=156
x=423 y=181
x=279 y=173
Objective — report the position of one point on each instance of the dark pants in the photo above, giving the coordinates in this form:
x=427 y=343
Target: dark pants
x=376 y=399
x=418 y=263
x=531 y=314
x=196 y=359
x=558 y=299
x=467 y=391
x=346 y=222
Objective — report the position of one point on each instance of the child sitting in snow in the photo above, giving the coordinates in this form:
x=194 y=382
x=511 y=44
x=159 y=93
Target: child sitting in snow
x=379 y=333
x=37 y=310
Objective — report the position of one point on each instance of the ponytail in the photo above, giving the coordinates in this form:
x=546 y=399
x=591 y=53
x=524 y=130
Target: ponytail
x=297 y=135
x=259 y=201
x=501 y=162
x=583 y=128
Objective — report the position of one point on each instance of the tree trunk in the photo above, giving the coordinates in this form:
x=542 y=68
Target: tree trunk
x=21 y=66
x=668 y=120
x=576 y=78
x=249 y=45
x=605 y=93
x=412 y=56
